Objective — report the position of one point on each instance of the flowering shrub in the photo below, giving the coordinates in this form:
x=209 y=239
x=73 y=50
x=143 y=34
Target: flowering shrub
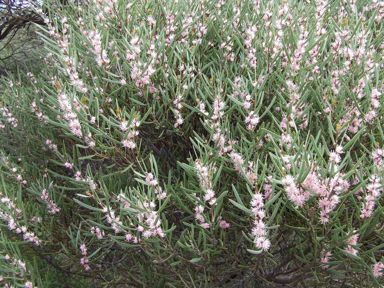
x=201 y=143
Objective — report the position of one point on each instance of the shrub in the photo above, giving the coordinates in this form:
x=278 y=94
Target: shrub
x=211 y=143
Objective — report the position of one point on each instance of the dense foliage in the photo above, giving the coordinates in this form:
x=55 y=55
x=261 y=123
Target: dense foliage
x=197 y=144
x=18 y=40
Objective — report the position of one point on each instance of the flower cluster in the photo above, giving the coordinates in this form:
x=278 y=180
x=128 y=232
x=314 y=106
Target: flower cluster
x=99 y=233
x=95 y=39
x=151 y=180
x=84 y=260
x=377 y=269
x=352 y=241
x=178 y=106
x=69 y=115
x=204 y=174
x=9 y=116
x=249 y=172
x=149 y=222
x=259 y=229
x=325 y=257
x=374 y=189
x=53 y=209
x=130 y=139
x=13 y=221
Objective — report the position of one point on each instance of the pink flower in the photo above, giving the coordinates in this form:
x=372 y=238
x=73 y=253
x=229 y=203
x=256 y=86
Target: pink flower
x=205 y=225
x=22 y=265
x=351 y=250
x=68 y=165
x=83 y=249
x=263 y=243
x=377 y=269
x=152 y=89
x=129 y=144
x=147 y=234
x=128 y=237
x=224 y=224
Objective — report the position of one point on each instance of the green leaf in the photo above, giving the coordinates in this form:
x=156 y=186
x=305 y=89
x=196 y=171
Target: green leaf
x=256 y=252
x=194 y=260
x=87 y=206
x=242 y=207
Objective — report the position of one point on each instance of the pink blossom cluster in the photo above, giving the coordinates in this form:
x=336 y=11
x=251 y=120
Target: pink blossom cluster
x=352 y=241
x=268 y=186
x=71 y=70
x=373 y=192
x=78 y=177
x=248 y=170
x=13 y=224
x=17 y=263
x=95 y=39
x=50 y=145
x=99 y=233
x=149 y=222
x=286 y=160
x=252 y=119
x=259 y=230
x=13 y=170
x=53 y=209
x=129 y=237
x=113 y=219
x=294 y=193
x=335 y=156
x=151 y=180
x=69 y=115
x=141 y=72
x=121 y=198
x=286 y=137
x=327 y=190
x=378 y=158
x=84 y=261
x=377 y=269
x=375 y=103
x=218 y=136
x=199 y=209
x=205 y=174
x=130 y=140
x=250 y=35
x=11 y=120
x=327 y=202
x=300 y=50
x=177 y=106
x=325 y=257
x=115 y=223
x=149 y=219
x=297 y=106
x=38 y=113
x=227 y=45
x=214 y=123
x=223 y=223
x=68 y=165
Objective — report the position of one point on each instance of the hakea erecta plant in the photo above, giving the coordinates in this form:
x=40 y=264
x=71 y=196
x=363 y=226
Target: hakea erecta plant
x=196 y=143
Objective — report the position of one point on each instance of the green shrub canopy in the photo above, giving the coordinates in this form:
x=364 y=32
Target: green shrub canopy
x=197 y=144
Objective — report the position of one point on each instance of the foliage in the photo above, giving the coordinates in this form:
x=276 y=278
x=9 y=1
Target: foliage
x=197 y=144
x=18 y=39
